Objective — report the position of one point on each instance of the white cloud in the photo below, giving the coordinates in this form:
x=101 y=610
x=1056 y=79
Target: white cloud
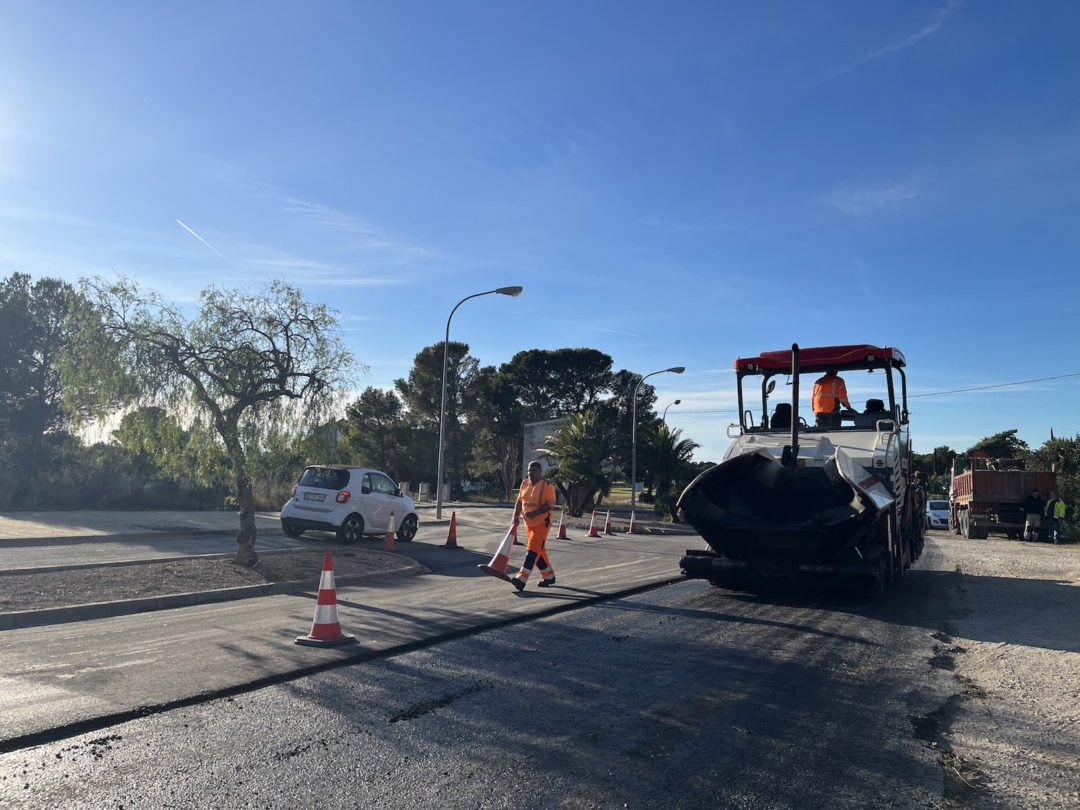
x=860 y=201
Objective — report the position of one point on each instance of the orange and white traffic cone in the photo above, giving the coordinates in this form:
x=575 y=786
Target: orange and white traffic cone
x=497 y=566
x=562 y=527
x=451 y=535
x=388 y=541
x=633 y=523
x=607 y=524
x=513 y=531
x=592 y=526
x=325 y=628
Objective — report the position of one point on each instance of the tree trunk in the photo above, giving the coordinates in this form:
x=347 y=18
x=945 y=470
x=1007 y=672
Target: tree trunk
x=245 y=538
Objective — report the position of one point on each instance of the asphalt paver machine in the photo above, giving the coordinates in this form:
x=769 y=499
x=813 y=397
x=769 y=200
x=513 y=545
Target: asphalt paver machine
x=794 y=501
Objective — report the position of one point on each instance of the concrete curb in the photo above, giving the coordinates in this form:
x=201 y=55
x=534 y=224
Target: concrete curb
x=45 y=569
x=127 y=607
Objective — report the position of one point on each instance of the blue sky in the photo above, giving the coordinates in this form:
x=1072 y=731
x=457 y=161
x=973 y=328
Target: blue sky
x=672 y=183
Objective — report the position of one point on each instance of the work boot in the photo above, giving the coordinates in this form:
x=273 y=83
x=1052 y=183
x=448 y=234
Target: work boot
x=518 y=583
x=547 y=582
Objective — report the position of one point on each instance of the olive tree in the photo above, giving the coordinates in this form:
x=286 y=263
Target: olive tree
x=245 y=362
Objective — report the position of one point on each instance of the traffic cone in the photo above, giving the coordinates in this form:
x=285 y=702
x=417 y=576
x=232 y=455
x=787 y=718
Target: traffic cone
x=633 y=523
x=607 y=524
x=388 y=541
x=451 y=535
x=497 y=566
x=592 y=526
x=325 y=628
x=562 y=527
x=513 y=531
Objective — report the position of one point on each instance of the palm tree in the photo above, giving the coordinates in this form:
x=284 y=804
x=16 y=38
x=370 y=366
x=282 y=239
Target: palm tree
x=581 y=451
x=668 y=460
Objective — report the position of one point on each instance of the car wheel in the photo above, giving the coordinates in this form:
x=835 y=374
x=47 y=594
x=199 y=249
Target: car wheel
x=351 y=530
x=291 y=530
x=407 y=530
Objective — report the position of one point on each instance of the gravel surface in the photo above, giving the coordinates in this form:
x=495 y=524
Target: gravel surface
x=80 y=586
x=1014 y=647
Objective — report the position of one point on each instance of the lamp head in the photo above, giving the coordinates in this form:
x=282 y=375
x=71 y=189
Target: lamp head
x=678 y=369
x=511 y=291
x=676 y=402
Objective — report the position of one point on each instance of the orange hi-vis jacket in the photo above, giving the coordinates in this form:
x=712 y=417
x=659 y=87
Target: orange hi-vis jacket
x=829 y=393
x=532 y=497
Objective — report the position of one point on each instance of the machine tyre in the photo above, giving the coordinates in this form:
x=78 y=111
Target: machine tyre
x=351 y=530
x=965 y=526
x=290 y=530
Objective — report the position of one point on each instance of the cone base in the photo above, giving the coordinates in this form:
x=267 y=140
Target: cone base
x=494 y=572
x=308 y=641
x=450 y=545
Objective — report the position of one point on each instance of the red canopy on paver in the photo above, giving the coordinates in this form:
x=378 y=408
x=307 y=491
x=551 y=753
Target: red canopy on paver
x=822 y=357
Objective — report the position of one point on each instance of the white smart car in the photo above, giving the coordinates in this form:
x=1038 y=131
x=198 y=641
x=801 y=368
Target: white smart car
x=350 y=501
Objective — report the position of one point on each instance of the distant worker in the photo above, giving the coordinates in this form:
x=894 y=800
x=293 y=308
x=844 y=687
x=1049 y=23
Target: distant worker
x=1033 y=512
x=536 y=500
x=830 y=393
x=1055 y=511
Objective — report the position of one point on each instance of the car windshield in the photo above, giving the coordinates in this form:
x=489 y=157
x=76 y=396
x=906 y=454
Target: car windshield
x=324 y=478
x=939 y=506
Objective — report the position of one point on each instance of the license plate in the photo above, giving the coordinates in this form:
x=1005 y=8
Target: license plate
x=314 y=496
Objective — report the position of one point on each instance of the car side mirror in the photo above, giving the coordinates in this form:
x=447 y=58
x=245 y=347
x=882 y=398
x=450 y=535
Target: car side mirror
x=365 y=490
x=397 y=492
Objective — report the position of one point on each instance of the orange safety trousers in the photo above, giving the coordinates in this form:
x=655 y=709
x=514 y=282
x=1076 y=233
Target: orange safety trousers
x=536 y=553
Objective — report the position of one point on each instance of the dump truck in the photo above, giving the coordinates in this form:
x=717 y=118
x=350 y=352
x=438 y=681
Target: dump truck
x=987 y=495
x=794 y=501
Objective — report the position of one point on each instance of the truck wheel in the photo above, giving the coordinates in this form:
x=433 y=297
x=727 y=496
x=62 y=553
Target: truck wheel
x=965 y=526
x=981 y=532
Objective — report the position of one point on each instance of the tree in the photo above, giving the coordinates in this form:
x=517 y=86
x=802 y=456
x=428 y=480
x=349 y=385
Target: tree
x=668 y=459
x=1003 y=445
x=247 y=362
x=555 y=383
x=36 y=329
x=422 y=393
x=374 y=432
x=497 y=423
x=581 y=451
x=618 y=412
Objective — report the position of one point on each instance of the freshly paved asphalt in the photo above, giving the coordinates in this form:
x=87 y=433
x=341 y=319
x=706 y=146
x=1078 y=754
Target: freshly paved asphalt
x=67 y=678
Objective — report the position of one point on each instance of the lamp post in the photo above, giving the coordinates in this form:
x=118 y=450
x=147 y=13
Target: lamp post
x=676 y=402
x=511 y=291
x=633 y=431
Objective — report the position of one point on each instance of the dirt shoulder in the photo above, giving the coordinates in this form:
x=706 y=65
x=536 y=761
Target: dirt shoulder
x=1014 y=647
x=43 y=590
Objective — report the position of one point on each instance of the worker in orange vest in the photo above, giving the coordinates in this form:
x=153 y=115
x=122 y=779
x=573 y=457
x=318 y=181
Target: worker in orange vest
x=536 y=502
x=830 y=393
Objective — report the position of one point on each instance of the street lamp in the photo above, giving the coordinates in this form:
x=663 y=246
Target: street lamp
x=514 y=292
x=676 y=402
x=633 y=431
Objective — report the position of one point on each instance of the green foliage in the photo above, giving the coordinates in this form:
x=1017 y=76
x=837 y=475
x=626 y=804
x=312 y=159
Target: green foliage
x=376 y=434
x=496 y=422
x=422 y=394
x=1063 y=457
x=250 y=364
x=667 y=459
x=550 y=384
x=581 y=450
x=1003 y=445
x=37 y=328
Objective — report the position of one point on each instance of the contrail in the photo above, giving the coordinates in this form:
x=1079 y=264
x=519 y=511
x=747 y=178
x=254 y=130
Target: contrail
x=186 y=228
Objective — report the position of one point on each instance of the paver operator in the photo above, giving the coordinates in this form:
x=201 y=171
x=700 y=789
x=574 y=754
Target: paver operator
x=536 y=500
x=830 y=392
